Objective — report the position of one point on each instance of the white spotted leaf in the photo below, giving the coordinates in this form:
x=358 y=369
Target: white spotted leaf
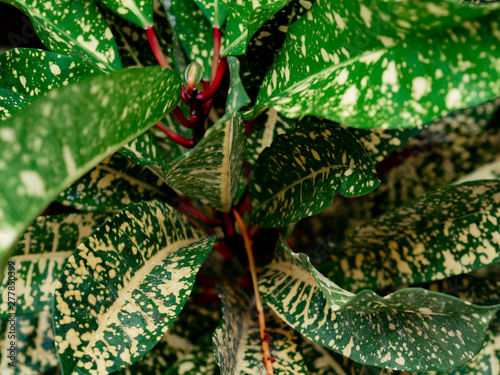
x=449 y=232
x=138 y=12
x=372 y=65
x=28 y=74
x=302 y=170
x=77 y=126
x=215 y=10
x=411 y=329
x=124 y=286
x=78 y=31
x=237 y=342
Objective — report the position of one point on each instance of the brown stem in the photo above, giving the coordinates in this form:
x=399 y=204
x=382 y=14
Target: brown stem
x=177 y=138
x=155 y=46
x=268 y=361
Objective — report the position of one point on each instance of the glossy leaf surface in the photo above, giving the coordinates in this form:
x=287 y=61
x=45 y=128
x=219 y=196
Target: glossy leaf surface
x=139 y=12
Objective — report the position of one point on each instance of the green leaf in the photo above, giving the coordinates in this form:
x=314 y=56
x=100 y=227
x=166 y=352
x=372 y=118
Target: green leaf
x=124 y=286
x=215 y=10
x=76 y=127
x=350 y=62
x=137 y=12
x=113 y=185
x=213 y=180
x=28 y=74
x=299 y=174
x=245 y=18
x=39 y=258
x=411 y=329
x=445 y=233
x=81 y=32
x=194 y=32
x=265 y=128
x=237 y=342
x=34 y=348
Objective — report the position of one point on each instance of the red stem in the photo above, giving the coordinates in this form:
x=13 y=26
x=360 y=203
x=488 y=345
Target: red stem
x=177 y=138
x=215 y=60
x=208 y=94
x=198 y=214
x=179 y=116
x=248 y=126
x=155 y=46
x=226 y=216
x=244 y=206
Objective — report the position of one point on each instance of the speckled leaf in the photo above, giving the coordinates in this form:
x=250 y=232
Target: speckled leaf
x=78 y=30
x=300 y=173
x=214 y=179
x=237 y=343
x=351 y=62
x=28 y=74
x=139 y=12
x=245 y=18
x=215 y=10
x=35 y=352
x=79 y=125
x=264 y=129
x=449 y=232
x=196 y=361
x=40 y=256
x=411 y=329
x=194 y=32
x=124 y=286
x=113 y=185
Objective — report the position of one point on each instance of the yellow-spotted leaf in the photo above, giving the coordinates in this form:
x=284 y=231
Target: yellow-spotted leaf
x=441 y=234
x=389 y=64
x=237 y=342
x=411 y=329
x=302 y=170
x=114 y=184
x=76 y=127
x=124 y=286
x=28 y=74
x=79 y=30
x=139 y=12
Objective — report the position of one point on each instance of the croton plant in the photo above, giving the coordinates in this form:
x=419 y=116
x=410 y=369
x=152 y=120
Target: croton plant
x=251 y=187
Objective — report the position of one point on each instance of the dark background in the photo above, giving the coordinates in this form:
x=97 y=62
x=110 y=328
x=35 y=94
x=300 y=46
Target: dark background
x=16 y=30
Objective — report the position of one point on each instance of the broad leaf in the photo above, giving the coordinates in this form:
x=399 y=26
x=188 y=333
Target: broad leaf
x=245 y=18
x=138 y=12
x=28 y=74
x=193 y=30
x=113 y=185
x=124 y=286
x=237 y=342
x=265 y=128
x=81 y=32
x=39 y=258
x=351 y=62
x=411 y=329
x=449 y=232
x=76 y=127
x=214 y=10
x=299 y=174
x=489 y=171
x=214 y=179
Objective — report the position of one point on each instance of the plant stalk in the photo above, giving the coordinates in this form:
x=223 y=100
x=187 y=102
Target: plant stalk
x=155 y=46
x=268 y=361
x=208 y=94
x=215 y=59
x=177 y=138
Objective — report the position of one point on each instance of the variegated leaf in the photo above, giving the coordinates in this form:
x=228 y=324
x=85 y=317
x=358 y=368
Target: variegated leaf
x=139 y=12
x=411 y=329
x=265 y=128
x=124 y=286
x=79 y=31
x=299 y=174
x=351 y=62
x=39 y=258
x=113 y=185
x=489 y=171
x=215 y=10
x=28 y=74
x=245 y=18
x=237 y=342
x=193 y=30
x=214 y=179
x=449 y=232
x=80 y=125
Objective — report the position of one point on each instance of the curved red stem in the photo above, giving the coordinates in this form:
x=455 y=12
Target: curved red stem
x=155 y=46
x=179 y=116
x=177 y=138
x=207 y=95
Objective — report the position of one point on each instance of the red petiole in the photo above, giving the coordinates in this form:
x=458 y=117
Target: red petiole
x=155 y=46
x=177 y=138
